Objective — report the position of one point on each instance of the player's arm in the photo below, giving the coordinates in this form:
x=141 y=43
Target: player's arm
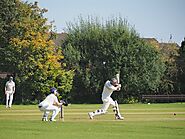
x=5 y=88
x=57 y=103
x=118 y=87
x=14 y=88
x=112 y=87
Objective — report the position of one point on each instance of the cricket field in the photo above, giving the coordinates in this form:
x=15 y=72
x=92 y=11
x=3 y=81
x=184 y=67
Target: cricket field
x=142 y=121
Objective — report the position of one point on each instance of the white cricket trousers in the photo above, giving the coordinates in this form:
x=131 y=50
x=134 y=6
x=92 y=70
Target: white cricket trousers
x=107 y=102
x=55 y=110
x=9 y=98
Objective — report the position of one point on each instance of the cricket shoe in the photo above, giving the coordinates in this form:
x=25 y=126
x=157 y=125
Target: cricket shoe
x=52 y=120
x=44 y=119
x=90 y=115
x=119 y=117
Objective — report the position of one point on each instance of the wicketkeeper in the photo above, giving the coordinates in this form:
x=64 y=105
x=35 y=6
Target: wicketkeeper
x=108 y=89
x=50 y=104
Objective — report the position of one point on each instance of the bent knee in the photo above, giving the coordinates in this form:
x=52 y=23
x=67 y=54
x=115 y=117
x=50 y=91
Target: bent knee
x=105 y=100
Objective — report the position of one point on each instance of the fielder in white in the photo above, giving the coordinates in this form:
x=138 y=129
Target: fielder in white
x=9 y=92
x=50 y=104
x=108 y=89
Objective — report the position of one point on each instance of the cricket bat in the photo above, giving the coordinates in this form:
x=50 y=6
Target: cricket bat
x=118 y=79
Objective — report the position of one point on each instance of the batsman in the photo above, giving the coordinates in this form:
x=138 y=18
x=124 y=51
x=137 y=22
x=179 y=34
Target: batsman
x=109 y=87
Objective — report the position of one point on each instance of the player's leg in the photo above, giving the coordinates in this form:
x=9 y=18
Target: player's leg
x=116 y=110
x=7 y=99
x=45 y=112
x=95 y=113
x=11 y=99
x=45 y=116
x=101 y=111
x=55 y=110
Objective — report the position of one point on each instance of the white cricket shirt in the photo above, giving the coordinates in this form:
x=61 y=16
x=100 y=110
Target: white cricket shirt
x=108 y=90
x=49 y=100
x=9 y=86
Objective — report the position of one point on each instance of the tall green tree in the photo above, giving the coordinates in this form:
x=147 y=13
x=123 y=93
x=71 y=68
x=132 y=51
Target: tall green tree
x=181 y=69
x=170 y=54
x=8 y=14
x=30 y=53
x=98 y=51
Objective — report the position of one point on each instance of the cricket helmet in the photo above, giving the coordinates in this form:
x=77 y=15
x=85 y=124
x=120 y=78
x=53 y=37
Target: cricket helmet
x=53 y=89
x=114 y=81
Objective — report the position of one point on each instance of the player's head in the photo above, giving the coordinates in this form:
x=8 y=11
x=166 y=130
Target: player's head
x=11 y=78
x=54 y=91
x=114 y=81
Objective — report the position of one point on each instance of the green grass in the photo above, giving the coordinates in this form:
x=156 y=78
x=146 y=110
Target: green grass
x=142 y=121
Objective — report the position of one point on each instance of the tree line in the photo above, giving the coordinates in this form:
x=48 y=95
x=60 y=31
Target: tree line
x=28 y=52
x=99 y=51
x=92 y=52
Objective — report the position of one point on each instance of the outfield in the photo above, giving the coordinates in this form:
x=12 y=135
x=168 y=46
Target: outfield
x=142 y=121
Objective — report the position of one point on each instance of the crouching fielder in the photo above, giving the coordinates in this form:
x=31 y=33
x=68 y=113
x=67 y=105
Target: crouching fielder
x=50 y=104
x=108 y=89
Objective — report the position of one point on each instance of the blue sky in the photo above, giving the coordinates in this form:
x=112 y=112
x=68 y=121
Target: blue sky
x=151 y=18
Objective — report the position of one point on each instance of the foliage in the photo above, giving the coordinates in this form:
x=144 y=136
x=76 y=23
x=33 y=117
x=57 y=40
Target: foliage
x=170 y=53
x=30 y=53
x=102 y=50
x=181 y=68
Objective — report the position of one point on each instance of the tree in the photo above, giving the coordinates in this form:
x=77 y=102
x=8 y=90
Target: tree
x=169 y=82
x=105 y=49
x=31 y=53
x=181 y=69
